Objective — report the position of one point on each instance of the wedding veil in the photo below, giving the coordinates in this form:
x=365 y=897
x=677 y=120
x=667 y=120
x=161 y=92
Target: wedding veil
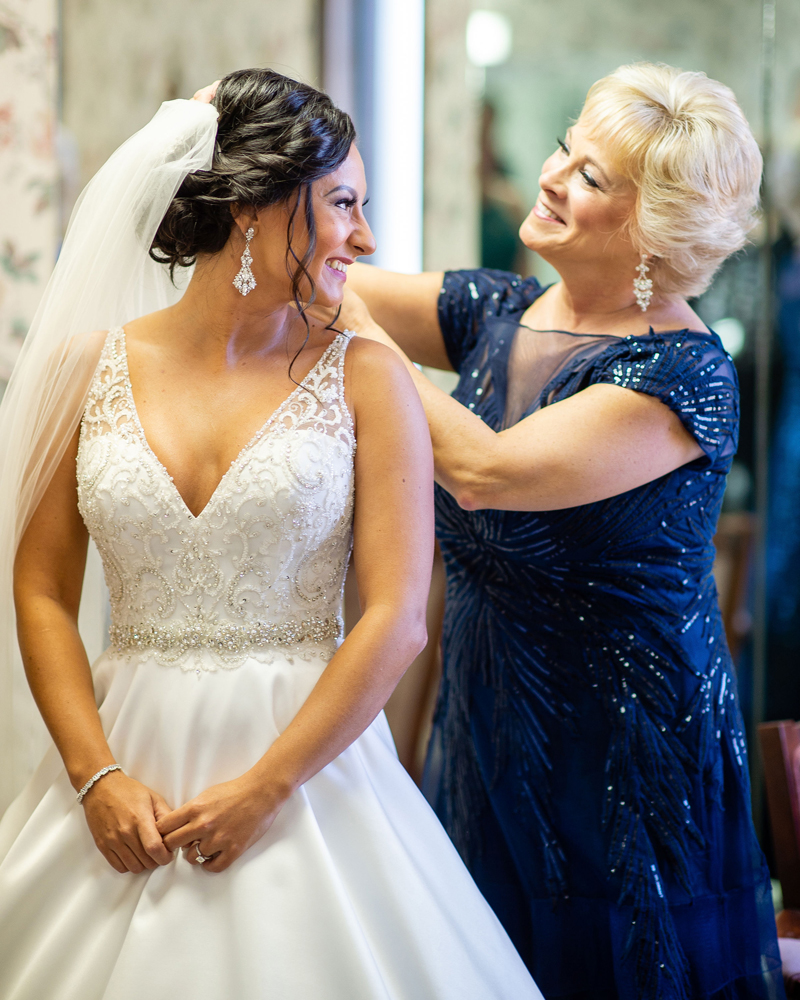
x=103 y=278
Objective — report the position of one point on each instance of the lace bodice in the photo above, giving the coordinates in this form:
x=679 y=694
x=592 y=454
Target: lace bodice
x=262 y=566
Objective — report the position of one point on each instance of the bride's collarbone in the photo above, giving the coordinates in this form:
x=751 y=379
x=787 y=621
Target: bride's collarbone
x=190 y=400
x=197 y=421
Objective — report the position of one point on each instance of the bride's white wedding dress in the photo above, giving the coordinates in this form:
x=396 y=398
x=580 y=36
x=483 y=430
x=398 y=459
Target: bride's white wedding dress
x=221 y=625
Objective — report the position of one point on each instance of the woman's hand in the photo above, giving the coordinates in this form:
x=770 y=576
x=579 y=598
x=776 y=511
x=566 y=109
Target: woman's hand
x=223 y=821
x=122 y=814
x=206 y=94
x=355 y=316
x=352 y=315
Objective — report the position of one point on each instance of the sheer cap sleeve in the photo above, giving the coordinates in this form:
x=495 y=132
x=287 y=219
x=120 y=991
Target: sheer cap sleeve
x=692 y=374
x=468 y=298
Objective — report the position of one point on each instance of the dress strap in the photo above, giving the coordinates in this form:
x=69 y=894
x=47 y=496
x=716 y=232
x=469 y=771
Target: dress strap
x=332 y=374
x=107 y=388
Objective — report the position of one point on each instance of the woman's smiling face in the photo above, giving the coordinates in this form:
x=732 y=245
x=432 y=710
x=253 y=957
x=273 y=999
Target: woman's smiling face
x=583 y=205
x=342 y=235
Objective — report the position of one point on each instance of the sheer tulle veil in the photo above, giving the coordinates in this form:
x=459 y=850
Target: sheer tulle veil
x=103 y=278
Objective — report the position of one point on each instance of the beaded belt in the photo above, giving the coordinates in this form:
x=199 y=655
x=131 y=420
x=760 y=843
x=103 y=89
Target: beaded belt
x=223 y=637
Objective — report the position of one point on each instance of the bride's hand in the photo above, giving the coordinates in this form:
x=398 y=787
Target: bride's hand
x=122 y=814
x=223 y=821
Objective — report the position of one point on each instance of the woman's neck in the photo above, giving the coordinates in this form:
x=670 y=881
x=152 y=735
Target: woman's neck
x=602 y=308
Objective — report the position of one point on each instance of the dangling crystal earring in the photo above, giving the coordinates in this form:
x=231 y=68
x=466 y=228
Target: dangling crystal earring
x=642 y=286
x=244 y=281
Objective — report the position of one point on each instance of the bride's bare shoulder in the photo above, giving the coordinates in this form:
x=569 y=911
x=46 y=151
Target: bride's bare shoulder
x=378 y=389
x=150 y=328
x=368 y=362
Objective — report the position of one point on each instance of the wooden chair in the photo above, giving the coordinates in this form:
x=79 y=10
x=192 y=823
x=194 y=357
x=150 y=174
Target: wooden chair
x=780 y=752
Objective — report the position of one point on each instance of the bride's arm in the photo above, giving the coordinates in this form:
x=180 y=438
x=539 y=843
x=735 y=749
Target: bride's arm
x=48 y=576
x=393 y=551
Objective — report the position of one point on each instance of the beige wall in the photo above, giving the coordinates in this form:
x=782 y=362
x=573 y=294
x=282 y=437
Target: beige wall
x=452 y=201
x=122 y=58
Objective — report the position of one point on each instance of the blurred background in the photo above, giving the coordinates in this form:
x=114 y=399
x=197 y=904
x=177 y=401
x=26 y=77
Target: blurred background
x=457 y=104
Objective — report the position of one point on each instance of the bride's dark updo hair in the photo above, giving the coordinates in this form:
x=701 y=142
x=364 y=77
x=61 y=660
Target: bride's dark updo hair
x=274 y=138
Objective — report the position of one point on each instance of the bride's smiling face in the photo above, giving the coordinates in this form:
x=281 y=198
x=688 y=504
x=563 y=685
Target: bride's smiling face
x=582 y=207
x=342 y=235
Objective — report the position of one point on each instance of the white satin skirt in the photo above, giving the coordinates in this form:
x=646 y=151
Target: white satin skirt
x=355 y=893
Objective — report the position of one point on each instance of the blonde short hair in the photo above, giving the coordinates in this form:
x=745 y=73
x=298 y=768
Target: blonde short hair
x=682 y=139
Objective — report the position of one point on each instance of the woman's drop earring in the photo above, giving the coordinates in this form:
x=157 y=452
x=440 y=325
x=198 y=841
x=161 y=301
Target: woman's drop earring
x=642 y=286
x=244 y=281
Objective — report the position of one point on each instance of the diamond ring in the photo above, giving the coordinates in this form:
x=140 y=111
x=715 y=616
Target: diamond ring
x=201 y=858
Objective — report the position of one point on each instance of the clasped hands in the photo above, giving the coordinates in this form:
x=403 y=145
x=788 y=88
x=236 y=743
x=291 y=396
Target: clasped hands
x=135 y=829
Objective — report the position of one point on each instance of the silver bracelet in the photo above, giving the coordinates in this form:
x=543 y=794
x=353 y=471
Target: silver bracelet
x=96 y=777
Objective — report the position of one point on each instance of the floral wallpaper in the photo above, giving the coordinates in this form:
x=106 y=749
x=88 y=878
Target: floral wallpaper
x=28 y=171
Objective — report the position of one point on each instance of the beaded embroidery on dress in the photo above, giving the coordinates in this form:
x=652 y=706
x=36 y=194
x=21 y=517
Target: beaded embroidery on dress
x=262 y=566
x=222 y=626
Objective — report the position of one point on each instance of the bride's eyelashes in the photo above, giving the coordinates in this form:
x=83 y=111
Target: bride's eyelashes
x=349 y=203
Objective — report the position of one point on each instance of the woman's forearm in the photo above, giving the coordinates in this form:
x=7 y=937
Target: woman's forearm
x=464 y=448
x=597 y=444
x=348 y=696
x=60 y=678
x=406 y=306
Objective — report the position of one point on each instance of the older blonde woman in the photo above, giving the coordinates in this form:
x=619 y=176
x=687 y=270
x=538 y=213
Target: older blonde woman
x=588 y=755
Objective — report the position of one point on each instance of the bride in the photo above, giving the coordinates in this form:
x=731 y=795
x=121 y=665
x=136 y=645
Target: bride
x=228 y=817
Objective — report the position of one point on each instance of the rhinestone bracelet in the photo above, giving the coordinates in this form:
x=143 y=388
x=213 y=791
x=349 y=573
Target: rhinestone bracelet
x=97 y=777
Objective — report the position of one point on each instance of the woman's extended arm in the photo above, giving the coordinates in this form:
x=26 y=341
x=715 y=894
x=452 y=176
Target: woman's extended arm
x=48 y=575
x=393 y=551
x=596 y=444
x=406 y=306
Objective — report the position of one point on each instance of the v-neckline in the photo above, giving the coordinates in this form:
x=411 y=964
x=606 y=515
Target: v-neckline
x=260 y=433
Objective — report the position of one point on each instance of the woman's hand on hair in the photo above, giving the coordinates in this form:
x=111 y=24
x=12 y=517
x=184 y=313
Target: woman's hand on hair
x=206 y=94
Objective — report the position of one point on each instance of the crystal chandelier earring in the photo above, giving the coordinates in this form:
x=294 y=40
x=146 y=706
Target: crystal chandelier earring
x=642 y=285
x=244 y=281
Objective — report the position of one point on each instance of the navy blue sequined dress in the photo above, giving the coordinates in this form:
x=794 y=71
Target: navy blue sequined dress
x=588 y=755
